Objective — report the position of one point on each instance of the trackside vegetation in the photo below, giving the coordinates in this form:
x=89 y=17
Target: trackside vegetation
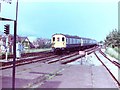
x=112 y=43
x=113 y=39
x=113 y=52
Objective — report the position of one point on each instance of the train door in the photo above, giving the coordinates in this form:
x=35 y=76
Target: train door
x=81 y=41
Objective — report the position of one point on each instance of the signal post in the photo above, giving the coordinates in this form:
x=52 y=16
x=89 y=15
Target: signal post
x=6 y=31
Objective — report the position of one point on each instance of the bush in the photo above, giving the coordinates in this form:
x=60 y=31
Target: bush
x=117 y=49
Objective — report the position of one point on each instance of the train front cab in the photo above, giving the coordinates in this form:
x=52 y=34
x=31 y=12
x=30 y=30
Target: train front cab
x=58 y=43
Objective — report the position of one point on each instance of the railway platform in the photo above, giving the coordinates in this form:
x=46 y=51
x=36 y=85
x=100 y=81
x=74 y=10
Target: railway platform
x=42 y=75
x=81 y=77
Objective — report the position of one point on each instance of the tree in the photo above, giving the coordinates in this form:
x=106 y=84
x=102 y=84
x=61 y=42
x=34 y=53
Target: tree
x=113 y=38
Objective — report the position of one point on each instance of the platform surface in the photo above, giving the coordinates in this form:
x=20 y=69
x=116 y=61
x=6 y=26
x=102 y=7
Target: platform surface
x=58 y=76
x=79 y=76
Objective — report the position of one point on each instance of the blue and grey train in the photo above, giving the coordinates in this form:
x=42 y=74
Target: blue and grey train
x=62 y=42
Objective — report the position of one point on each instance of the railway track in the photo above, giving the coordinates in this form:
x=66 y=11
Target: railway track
x=45 y=57
x=72 y=57
x=28 y=60
x=61 y=58
x=112 y=61
x=107 y=63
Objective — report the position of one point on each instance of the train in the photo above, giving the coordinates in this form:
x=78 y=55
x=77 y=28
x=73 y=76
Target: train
x=62 y=42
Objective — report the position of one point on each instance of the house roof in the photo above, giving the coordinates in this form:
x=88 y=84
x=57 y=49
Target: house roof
x=23 y=38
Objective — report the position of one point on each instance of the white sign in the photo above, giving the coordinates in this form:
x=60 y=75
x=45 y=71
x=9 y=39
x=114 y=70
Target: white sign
x=81 y=52
x=7 y=1
x=8 y=9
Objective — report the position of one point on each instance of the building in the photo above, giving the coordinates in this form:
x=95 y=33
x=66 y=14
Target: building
x=23 y=40
x=26 y=43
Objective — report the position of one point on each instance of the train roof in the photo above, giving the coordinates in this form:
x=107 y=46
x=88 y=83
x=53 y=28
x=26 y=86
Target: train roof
x=70 y=36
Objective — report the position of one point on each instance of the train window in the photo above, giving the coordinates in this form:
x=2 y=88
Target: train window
x=79 y=41
x=73 y=41
x=68 y=41
x=76 y=41
x=53 y=38
x=58 y=39
x=63 y=39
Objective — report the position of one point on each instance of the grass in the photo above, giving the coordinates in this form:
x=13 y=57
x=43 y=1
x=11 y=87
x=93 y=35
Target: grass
x=113 y=52
x=36 y=50
x=30 y=51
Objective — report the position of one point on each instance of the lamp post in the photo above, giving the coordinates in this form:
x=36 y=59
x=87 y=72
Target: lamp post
x=14 y=48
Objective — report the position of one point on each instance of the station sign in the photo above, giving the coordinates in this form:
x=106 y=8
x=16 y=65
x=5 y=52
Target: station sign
x=8 y=9
x=7 y=1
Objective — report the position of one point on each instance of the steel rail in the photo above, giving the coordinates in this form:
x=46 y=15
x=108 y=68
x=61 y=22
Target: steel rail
x=114 y=62
x=108 y=69
x=25 y=61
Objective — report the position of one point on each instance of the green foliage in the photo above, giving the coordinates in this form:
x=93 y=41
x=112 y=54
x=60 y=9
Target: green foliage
x=113 y=39
x=117 y=49
x=113 y=52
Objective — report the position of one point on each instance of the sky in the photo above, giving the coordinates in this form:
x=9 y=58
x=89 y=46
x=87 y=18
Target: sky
x=43 y=18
